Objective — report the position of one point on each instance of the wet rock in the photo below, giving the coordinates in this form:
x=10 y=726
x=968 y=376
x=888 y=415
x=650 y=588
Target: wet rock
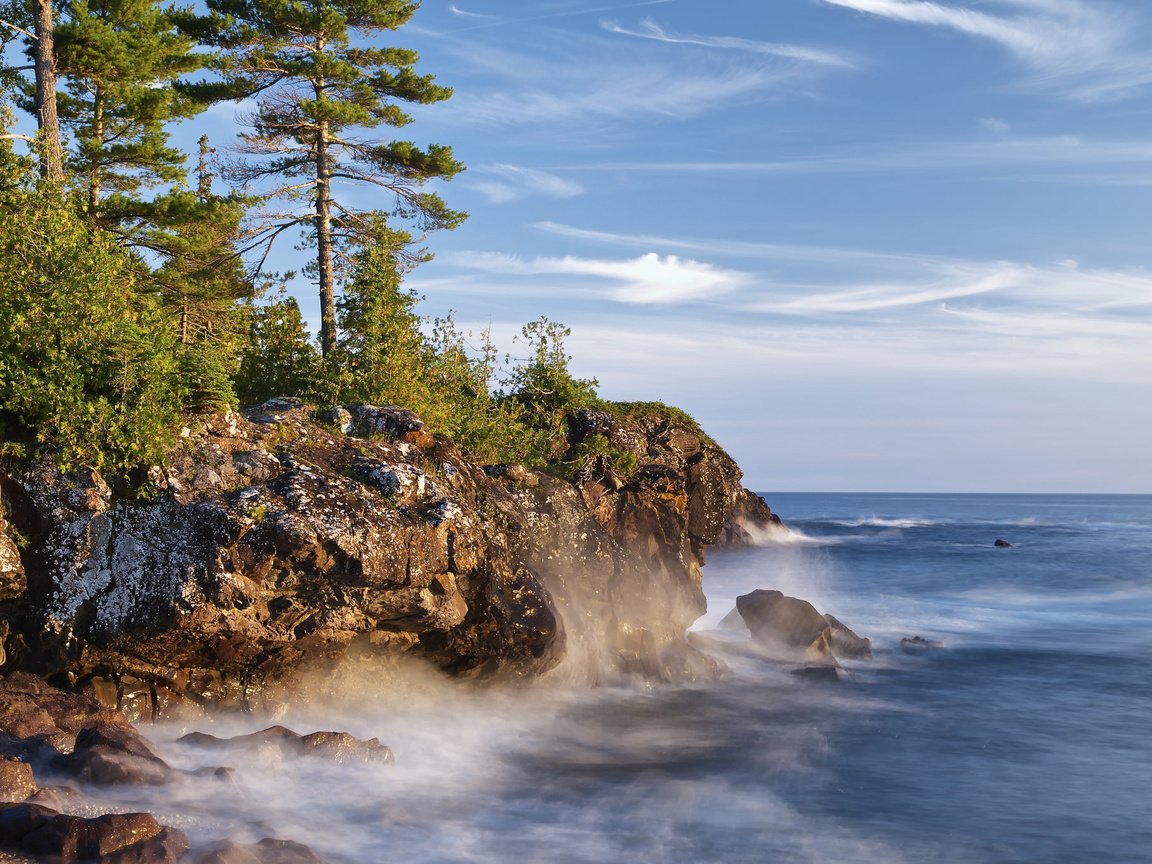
x=845 y=642
x=339 y=747
x=108 y=755
x=1002 y=544
x=17 y=782
x=919 y=645
x=12 y=578
x=30 y=708
x=795 y=628
x=119 y=838
x=274 y=545
x=776 y=619
x=267 y=851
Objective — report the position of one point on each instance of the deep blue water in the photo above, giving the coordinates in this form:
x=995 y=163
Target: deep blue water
x=1024 y=739
x=1028 y=738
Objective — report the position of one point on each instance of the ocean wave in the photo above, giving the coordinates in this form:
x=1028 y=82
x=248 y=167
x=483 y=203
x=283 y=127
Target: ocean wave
x=782 y=535
x=882 y=522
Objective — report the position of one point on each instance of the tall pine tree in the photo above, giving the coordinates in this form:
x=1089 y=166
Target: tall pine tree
x=120 y=60
x=317 y=93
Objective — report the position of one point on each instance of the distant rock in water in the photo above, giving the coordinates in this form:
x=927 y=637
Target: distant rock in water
x=795 y=626
x=919 y=645
x=1002 y=544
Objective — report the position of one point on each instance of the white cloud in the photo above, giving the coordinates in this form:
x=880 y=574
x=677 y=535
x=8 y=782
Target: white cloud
x=649 y=29
x=456 y=10
x=1083 y=49
x=502 y=183
x=649 y=279
x=1027 y=156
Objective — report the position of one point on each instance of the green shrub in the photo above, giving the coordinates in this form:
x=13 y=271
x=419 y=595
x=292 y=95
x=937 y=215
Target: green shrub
x=87 y=360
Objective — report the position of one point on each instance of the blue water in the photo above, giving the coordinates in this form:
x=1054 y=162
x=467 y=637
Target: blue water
x=1028 y=738
x=1024 y=739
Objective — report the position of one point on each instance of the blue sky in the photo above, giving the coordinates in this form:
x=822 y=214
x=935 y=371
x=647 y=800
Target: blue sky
x=869 y=244
x=880 y=245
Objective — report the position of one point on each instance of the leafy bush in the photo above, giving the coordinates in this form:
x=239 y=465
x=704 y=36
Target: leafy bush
x=280 y=358
x=87 y=361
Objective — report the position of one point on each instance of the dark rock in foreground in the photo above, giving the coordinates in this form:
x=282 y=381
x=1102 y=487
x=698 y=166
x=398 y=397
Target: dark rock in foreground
x=115 y=838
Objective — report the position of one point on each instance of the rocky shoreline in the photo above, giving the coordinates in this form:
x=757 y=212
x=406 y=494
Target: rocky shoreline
x=277 y=542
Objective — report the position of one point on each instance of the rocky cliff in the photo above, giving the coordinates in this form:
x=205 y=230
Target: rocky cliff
x=274 y=542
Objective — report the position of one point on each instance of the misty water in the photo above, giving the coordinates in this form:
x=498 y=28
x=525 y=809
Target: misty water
x=1025 y=739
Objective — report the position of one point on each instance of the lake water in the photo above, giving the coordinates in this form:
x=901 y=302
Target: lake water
x=1026 y=738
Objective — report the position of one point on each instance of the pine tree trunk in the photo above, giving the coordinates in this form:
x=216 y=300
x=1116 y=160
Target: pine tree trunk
x=51 y=156
x=324 y=244
x=94 y=169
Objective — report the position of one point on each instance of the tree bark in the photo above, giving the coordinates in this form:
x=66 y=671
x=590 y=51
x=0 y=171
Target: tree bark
x=94 y=179
x=324 y=244
x=51 y=154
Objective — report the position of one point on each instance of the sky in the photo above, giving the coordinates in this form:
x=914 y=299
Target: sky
x=871 y=245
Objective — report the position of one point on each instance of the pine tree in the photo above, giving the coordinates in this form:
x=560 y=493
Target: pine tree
x=38 y=27
x=120 y=60
x=317 y=91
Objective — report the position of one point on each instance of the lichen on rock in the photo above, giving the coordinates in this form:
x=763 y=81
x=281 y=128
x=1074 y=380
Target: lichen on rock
x=272 y=542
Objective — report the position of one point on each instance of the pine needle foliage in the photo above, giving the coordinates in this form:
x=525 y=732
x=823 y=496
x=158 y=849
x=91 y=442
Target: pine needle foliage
x=319 y=88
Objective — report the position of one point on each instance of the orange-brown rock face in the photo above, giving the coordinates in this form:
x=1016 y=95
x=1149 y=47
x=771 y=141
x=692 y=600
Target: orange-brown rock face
x=273 y=542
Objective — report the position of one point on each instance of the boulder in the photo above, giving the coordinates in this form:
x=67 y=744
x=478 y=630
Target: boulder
x=794 y=627
x=339 y=747
x=116 y=838
x=1002 y=543
x=776 y=619
x=17 y=782
x=107 y=755
x=845 y=642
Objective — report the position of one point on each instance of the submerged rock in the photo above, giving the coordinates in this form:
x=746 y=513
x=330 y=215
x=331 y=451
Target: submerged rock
x=919 y=645
x=339 y=747
x=1002 y=544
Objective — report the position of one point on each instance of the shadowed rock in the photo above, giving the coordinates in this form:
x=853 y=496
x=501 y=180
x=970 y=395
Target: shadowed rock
x=116 y=838
x=106 y=754
x=919 y=645
x=339 y=747
x=795 y=628
x=1002 y=544
x=17 y=782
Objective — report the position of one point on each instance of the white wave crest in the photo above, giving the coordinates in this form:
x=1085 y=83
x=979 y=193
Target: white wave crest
x=882 y=522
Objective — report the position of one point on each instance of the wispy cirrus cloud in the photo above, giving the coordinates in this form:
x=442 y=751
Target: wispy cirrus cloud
x=649 y=29
x=464 y=13
x=648 y=279
x=1019 y=156
x=1083 y=49
x=502 y=183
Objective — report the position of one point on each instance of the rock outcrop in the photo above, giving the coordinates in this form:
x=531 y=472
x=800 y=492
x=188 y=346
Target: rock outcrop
x=796 y=630
x=272 y=543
